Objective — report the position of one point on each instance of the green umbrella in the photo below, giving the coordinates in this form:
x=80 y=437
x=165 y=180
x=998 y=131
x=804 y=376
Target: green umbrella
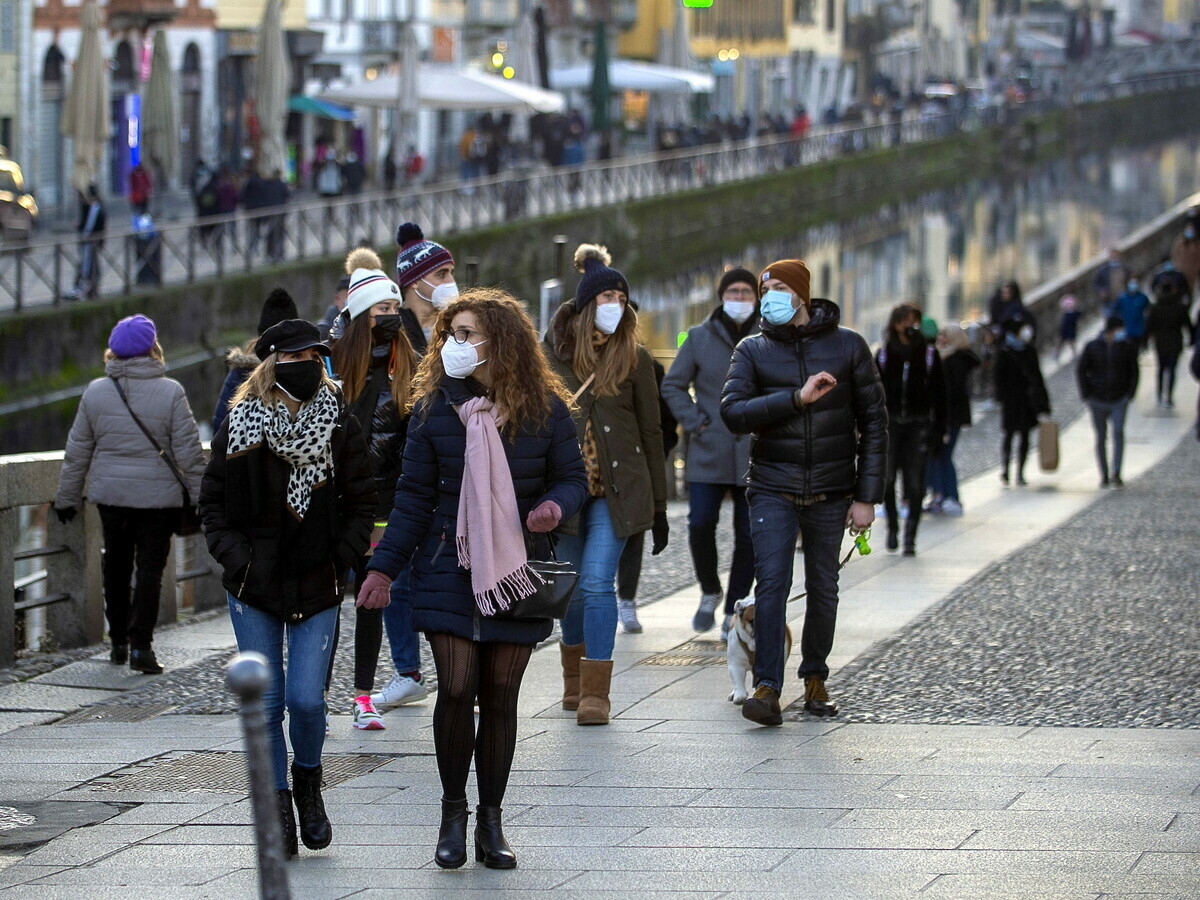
x=601 y=90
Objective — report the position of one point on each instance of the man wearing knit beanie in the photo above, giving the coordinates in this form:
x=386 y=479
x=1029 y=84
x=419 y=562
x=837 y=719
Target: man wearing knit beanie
x=810 y=393
x=425 y=274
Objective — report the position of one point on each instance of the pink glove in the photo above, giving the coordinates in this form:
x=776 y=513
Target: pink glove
x=376 y=592
x=545 y=518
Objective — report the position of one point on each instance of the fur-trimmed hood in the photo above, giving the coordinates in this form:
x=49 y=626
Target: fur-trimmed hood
x=241 y=358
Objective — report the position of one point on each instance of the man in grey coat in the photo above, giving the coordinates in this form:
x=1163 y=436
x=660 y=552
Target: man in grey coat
x=717 y=459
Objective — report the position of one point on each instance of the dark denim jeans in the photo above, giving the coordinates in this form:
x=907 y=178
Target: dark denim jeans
x=1102 y=413
x=940 y=474
x=908 y=447
x=704 y=514
x=775 y=521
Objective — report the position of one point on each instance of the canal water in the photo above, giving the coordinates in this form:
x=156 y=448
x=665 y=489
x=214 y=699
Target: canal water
x=946 y=251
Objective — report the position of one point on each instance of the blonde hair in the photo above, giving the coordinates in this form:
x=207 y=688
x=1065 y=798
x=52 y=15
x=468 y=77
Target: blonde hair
x=955 y=338
x=260 y=384
x=155 y=352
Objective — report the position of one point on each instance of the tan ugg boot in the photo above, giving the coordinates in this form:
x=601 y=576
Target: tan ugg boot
x=595 y=676
x=571 y=655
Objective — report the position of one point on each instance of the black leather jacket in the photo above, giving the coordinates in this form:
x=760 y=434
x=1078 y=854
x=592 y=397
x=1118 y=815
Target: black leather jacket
x=836 y=446
x=385 y=429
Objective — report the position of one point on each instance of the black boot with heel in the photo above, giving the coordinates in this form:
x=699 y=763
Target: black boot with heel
x=451 y=850
x=287 y=818
x=491 y=848
x=315 y=830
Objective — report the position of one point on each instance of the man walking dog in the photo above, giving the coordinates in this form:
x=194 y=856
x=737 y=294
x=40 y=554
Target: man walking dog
x=810 y=393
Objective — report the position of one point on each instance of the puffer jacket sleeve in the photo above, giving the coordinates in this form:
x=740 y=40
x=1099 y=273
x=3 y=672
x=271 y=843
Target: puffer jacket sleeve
x=416 y=499
x=646 y=405
x=185 y=445
x=675 y=386
x=871 y=422
x=81 y=443
x=228 y=546
x=566 y=476
x=743 y=408
x=356 y=496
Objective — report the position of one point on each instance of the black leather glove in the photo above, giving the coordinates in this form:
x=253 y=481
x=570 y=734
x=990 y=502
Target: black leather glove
x=65 y=513
x=661 y=531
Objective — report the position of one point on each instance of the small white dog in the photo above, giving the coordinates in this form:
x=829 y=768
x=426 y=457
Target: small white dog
x=740 y=648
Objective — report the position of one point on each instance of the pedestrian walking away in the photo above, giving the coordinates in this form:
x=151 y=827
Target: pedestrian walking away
x=490 y=446
x=375 y=362
x=241 y=361
x=1107 y=373
x=809 y=392
x=1068 y=325
x=958 y=361
x=287 y=503
x=717 y=459
x=112 y=462
x=425 y=273
x=1169 y=327
x=91 y=228
x=1021 y=393
x=593 y=346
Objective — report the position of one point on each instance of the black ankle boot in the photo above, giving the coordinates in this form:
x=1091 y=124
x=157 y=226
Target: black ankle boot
x=119 y=654
x=315 y=830
x=145 y=661
x=452 y=836
x=287 y=818
x=491 y=848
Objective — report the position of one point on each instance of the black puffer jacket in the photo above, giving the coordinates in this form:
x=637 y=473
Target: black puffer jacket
x=1107 y=371
x=836 y=446
x=289 y=569
x=545 y=464
x=915 y=392
x=384 y=429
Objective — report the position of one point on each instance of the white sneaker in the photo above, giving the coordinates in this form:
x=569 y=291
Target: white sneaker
x=400 y=690
x=952 y=508
x=365 y=716
x=627 y=613
x=705 y=616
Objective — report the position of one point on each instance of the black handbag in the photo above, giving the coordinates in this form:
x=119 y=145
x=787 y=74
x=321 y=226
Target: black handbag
x=555 y=582
x=187 y=518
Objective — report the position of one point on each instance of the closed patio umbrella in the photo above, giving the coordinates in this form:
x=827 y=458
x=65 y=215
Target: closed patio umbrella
x=271 y=94
x=160 y=126
x=408 y=89
x=525 y=65
x=601 y=90
x=85 y=118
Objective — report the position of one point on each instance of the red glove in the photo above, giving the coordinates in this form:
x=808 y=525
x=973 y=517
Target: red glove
x=545 y=518
x=376 y=591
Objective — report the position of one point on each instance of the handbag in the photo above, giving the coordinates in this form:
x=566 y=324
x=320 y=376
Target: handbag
x=1048 y=445
x=187 y=518
x=555 y=581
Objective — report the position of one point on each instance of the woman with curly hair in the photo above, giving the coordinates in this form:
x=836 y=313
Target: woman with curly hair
x=593 y=346
x=375 y=361
x=491 y=447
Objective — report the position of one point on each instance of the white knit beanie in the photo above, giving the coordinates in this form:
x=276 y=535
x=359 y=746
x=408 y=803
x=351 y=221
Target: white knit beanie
x=368 y=287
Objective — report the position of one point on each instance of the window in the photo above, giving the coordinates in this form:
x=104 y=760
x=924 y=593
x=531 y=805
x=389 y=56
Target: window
x=831 y=15
x=803 y=12
x=8 y=26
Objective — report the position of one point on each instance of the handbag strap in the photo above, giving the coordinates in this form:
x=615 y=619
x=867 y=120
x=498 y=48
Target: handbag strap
x=163 y=454
x=583 y=387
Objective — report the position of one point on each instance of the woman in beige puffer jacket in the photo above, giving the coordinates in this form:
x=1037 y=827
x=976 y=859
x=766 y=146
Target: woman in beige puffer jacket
x=111 y=462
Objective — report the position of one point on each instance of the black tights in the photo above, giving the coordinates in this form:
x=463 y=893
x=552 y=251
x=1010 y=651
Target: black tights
x=1022 y=450
x=491 y=672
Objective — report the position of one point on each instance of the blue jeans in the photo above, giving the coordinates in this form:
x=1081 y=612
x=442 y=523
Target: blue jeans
x=704 y=513
x=775 y=521
x=301 y=689
x=405 y=643
x=940 y=474
x=1101 y=413
x=591 y=618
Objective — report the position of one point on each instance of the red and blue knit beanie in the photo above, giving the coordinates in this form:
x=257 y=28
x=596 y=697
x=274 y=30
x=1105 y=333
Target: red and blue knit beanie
x=417 y=257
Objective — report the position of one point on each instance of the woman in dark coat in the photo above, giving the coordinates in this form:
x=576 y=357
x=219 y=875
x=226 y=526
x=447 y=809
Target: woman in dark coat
x=958 y=361
x=482 y=386
x=286 y=501
x=1021 y=392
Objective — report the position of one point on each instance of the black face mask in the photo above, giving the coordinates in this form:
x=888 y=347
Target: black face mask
x=385 y=329
x=299 y=379
x=913 y=332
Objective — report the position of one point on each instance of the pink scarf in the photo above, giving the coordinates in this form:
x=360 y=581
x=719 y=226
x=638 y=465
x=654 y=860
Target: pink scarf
x=490 y=540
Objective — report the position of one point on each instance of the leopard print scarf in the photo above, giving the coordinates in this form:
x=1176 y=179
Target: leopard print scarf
x=304 y=443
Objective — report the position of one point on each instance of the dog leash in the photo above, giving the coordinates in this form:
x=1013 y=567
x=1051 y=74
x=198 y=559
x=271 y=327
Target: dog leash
x=861 y=546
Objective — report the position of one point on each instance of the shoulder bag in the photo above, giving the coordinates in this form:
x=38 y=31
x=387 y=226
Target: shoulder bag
x=187 y=521
x=555 y=582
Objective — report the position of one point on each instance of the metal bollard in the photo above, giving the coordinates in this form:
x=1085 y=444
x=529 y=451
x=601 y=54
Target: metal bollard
x=248 y=677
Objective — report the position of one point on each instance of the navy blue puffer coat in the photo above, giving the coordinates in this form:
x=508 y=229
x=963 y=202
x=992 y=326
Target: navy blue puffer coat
x=545 y=464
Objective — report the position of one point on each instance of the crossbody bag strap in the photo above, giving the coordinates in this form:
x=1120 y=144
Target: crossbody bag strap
x=163 y=454
x=583 y=387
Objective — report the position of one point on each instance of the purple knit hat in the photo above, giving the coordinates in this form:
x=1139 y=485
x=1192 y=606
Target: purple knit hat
x=417 y=257
x=133 y=336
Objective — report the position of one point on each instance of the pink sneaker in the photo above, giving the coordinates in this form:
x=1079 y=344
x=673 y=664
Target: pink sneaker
x=365 y=716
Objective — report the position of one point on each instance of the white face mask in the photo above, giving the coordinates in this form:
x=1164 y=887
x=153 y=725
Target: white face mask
x=608 y=316
x=460 y=360
x=442 y=294
x=738 y=310
x=1026 y=333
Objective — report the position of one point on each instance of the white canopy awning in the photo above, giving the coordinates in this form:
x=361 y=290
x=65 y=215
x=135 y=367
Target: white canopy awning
x=626 y=74
x=446 y=87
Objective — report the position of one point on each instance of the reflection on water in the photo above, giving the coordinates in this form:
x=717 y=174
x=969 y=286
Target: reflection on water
x=949 y=249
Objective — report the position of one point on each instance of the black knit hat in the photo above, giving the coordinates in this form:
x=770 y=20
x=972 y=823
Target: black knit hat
x=278 y=307
x=737 y=275
x=593 y=261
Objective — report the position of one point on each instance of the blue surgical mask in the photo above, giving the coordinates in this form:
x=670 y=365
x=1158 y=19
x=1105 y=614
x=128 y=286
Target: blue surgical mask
x=776 y=307
x=1132 y=285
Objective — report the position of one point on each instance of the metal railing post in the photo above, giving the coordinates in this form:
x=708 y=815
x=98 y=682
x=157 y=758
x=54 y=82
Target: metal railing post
x=248 y=677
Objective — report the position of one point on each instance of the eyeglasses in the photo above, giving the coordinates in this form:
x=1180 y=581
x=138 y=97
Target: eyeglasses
x=460 y=335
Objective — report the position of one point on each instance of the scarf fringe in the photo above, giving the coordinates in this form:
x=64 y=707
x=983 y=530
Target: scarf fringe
x=513 y=587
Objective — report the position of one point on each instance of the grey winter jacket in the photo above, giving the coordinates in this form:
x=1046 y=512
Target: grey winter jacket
x=715 y=455
x=107 y=451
